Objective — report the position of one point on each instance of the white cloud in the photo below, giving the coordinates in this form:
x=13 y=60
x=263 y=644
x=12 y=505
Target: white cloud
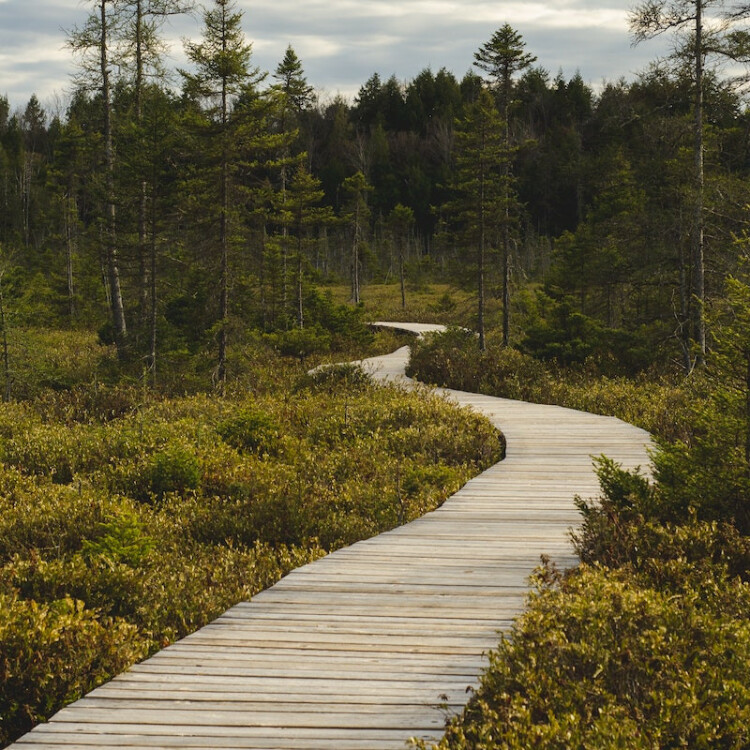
x=342 y=42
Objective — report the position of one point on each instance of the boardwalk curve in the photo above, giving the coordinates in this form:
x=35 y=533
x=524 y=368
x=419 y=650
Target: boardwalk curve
x=357 y=651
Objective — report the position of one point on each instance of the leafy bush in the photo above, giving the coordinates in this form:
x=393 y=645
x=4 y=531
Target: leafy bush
x=250 y=430
x=173 y=469
x=453 y=360
x=598 y=662
x=52 y=653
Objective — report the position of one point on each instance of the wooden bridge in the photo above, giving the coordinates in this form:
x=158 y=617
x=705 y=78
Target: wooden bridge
x=371 y=645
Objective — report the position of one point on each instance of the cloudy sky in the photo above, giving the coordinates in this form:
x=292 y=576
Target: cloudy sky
x=342 y=42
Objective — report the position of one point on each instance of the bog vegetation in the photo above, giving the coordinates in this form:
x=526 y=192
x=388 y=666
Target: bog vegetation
x=176 y=251
x=129 y=519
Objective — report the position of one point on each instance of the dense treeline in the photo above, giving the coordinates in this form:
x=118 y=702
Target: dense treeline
x=171 y=217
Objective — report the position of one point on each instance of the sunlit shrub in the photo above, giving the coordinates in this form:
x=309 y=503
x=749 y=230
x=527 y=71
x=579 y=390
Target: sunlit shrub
x=597 y=661
x=175 y=468
x=53 y=652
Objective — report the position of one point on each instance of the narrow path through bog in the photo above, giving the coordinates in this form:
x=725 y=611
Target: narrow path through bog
x=358 y=650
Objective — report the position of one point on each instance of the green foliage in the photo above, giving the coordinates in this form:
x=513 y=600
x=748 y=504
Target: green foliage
x=250 y=430
x=598 y=662
x=52 y=653
x=158 y=513
x=568 y=337
x=122 y=540
x=173 y=469
x=661 y=405
x=303 y=342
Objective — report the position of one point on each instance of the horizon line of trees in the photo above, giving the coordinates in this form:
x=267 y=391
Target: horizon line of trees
x=170 y=218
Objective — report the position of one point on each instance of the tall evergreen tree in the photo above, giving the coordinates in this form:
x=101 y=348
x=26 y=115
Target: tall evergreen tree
x=142 y=53
x=356 y=216
x=222 y=72
x=302 y=215
x=501 y=59
x=94 y=43
x=698 y=39
x=480 y=175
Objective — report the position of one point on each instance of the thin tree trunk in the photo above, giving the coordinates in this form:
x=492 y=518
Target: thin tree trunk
x=401 y=276
x=143 y=251
x=506 y=274
x=153 y=320
x=113 y=270
x=480 y=262
x=355 y=258
x=698 y=232
x=684 y=315
x=300 y=315
x=506 y=204
x=6 y=353
x=69 y=248
x=224 y=242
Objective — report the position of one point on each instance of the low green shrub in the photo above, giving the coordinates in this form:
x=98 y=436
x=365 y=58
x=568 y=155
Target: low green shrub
x=661 y=405
x=175 y=468
x=52 y=653
x=250 y=430
x=598 y=662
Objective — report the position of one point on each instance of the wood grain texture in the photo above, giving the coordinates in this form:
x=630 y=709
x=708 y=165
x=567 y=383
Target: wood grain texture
x=374 y=643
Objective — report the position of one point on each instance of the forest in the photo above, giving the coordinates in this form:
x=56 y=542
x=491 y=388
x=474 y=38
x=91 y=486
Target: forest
x=179 y=248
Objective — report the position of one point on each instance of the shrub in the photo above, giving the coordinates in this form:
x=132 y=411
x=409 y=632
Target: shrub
x=598 y=662
x=175 y=468
x=52 y=653
x=250 y=430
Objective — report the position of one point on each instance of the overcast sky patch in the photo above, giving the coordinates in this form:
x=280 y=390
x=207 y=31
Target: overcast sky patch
x=343 y=42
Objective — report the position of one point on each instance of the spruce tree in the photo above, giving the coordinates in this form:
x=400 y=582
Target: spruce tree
x=94 y=43
x=480 y=185
x=222 y=72
x=501 y=59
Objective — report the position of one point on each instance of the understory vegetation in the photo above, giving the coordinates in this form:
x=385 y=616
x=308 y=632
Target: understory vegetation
x=129 y=518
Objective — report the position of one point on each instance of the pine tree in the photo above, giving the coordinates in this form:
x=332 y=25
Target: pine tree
x=401 y=223
x=480 y=185
x=142 y=53
x=222 y=72
x=356 y=216
x=501 y=59
x=699 y=37
x=302 y=216
x=94 y=44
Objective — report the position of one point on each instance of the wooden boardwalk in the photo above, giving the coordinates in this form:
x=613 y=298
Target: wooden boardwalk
x=358 y=650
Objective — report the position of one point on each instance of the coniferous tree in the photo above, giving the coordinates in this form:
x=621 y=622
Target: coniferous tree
x=501 y=59
x=222 y=72
x=94 y=43
x=480 y=174
x=142 y=56
x=401 y=222
x=698 y=39
x=303 y=216
x=356 y=216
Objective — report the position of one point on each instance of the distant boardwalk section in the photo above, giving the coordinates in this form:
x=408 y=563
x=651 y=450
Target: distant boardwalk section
x=358 y=650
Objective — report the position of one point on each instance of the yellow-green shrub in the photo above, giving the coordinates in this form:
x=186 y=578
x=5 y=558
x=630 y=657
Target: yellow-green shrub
x=52 y=653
